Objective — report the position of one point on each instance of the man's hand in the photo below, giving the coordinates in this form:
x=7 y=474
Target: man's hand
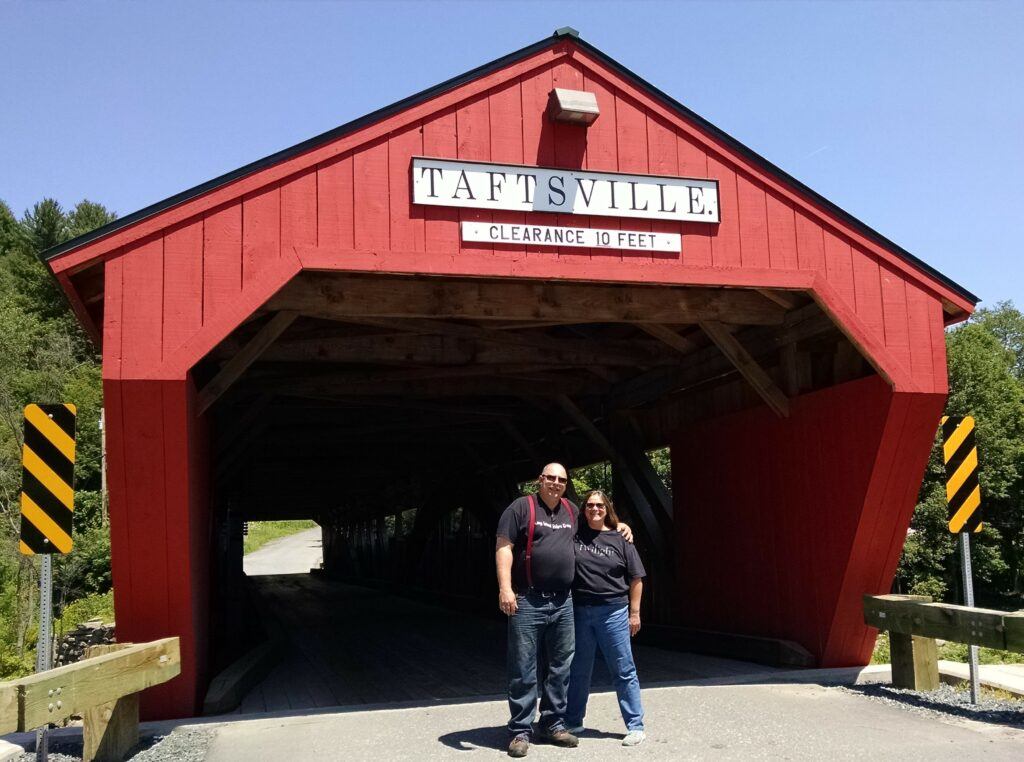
x=634 y=623
x=625 y=531
x=503 y=562
x=507 y=602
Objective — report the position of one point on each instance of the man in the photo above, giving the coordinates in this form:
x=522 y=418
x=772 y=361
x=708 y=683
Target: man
x=534 y=578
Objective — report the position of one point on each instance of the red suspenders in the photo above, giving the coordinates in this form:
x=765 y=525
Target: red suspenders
x=529 y=535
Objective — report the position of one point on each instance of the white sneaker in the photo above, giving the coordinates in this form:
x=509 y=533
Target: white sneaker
x=634 y=738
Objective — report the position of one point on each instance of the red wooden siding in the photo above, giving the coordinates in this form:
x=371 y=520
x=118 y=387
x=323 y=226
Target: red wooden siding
x=782 y=525
x=158 y=465
x=359 y=200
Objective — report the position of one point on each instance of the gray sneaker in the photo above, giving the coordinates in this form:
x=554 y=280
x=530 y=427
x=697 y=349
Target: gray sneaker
x=634 y=738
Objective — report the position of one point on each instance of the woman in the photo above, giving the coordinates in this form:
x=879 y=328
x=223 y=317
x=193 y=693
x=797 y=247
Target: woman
x=606 y=600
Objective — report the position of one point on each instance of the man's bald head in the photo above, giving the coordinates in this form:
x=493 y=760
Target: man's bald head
x=555 y=469
x=552 y=481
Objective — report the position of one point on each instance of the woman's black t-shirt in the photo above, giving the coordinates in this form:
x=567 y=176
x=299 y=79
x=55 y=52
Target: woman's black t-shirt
x=605 y=565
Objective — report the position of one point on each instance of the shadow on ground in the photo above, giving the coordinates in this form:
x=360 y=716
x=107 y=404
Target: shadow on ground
x=498 y=738
x=950 y=702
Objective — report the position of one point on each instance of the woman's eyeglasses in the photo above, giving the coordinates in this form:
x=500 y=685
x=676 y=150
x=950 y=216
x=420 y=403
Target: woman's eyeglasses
x=553 y=478
x=595 y=505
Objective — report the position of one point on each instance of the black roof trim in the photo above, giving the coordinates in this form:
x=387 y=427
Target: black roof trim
x=498 y=63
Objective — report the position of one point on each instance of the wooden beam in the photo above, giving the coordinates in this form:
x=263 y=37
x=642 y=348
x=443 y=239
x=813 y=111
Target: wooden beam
x=780 y=298
x=629 y=441
x=709 y=362
x=110 y=730
x=640 y=503
x=93 y=681
x=237 y=365
x=472 y=345
x=747 y=366
x=334 y=296
x=243 y=423
x=666 y=335
x=333 y=386
x=517 y=436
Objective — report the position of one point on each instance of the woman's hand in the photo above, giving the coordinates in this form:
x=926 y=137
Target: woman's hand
x=634 y=623
x=507 y=602
x=625 y=531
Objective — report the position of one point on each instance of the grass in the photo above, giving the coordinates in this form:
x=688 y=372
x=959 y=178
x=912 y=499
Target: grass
x=262 y=532
x=950 y=652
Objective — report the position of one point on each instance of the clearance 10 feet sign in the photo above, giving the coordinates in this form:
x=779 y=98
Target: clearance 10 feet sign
x=509 y=187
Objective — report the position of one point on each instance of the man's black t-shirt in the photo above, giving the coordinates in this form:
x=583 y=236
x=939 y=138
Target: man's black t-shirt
x=605 y=565
x=553 y=564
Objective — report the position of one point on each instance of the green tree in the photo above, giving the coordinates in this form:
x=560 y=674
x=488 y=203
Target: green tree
x=45 y=357
x=985 y=381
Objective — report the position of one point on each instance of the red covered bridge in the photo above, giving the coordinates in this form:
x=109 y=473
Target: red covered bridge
x=318 y=335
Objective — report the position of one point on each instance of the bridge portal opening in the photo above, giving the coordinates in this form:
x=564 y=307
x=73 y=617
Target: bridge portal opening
x=403 y=414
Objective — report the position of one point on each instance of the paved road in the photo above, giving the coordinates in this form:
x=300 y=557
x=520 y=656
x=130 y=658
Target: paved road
x=294 y=554
x=684 y=722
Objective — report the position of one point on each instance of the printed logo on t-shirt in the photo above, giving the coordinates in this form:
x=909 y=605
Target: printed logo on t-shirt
x=549 y=525
x=597 y=549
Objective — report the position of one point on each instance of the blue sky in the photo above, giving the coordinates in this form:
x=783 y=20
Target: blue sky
x=910 y=116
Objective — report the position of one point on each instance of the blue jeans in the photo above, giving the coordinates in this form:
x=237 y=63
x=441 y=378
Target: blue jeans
x=606 y=627
x=541 y=631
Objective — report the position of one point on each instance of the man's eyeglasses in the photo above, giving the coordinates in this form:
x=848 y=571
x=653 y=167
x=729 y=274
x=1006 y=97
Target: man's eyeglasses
x=595 y=505
x=553 y=478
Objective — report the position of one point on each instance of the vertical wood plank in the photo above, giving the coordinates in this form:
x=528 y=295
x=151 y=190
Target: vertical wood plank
x=261 y=231
x=753 y=216
x=693 y=162
x=183 y=284
x=441 y=222
x=725 y=240
x=406 y=218
x=372 y=206
x=782 y=247
x=867 y=287
x=894 y=316
x=919 y=336
x=472 y=121
x=936 y=324
x=222 y=258
x=335 y=210
x=839 y=267
x=144 y=509
x=142 y=308
x=602 y=152
x=538 y=139
x=570 y=152
x=631 y=133
x=810 y=244
x=113 y=301
x=662 y=159
x=299 y=210
x=505 y=117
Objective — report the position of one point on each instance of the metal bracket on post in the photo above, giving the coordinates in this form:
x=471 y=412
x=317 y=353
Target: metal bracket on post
x=965 y=557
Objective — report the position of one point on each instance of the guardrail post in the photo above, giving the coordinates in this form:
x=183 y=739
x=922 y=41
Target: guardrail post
x=110 y=730
x=915 y=662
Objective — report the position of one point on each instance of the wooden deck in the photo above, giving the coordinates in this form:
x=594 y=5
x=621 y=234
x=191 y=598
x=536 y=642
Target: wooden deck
x=353 y=645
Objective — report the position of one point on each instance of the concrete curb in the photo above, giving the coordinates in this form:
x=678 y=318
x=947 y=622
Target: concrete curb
x=989 y=675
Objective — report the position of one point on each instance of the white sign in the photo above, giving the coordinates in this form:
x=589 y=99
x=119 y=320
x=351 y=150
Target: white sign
x=509 y=187
x=590 y=238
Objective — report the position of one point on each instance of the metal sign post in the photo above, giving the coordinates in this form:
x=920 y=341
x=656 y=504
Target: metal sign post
x=44 y=643
x=963 y=495
x=965 y=557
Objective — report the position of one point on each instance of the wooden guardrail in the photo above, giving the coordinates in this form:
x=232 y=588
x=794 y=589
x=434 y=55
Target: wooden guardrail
x=914 y=622
x=102 y=689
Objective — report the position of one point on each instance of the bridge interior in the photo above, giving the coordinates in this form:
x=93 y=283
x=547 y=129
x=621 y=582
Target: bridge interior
x=404 y=413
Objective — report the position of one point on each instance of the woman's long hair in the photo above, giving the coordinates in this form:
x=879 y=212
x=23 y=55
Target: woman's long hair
x=611 y=519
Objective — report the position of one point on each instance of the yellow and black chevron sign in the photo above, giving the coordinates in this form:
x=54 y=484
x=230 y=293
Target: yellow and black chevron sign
x=963 y=493
x=48 y=479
